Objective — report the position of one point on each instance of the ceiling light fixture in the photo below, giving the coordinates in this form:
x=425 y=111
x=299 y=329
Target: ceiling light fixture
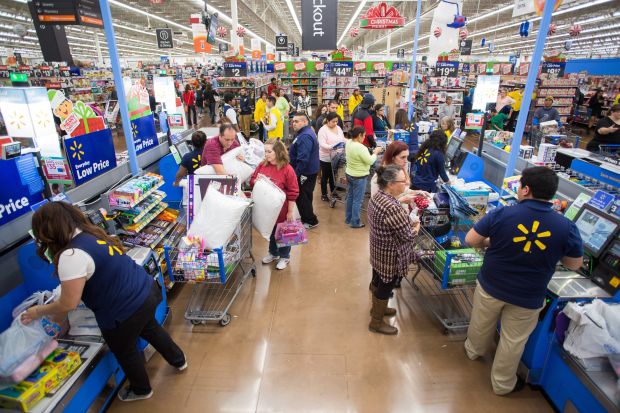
x=291 y=9
x=353 y=18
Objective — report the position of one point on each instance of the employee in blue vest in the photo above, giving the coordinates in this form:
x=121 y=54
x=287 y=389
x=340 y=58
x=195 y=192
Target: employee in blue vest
x=193 y=159
x=524 y=244
x=93 y=268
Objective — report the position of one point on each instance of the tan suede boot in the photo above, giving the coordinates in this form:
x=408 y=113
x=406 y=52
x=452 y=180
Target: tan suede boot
x=389 y=311
x=377 y=325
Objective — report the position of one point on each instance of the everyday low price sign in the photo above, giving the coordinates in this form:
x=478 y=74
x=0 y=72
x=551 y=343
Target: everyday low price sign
x=90 y=155
x=18 y=193
x=144 y=133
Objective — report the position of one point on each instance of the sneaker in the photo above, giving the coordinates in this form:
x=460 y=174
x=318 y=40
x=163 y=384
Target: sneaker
x=127 y=395
x=184 y=366
x=324 y=198
x=336 y=196
x=269 y=259
x=282 y=263
x=310 y=226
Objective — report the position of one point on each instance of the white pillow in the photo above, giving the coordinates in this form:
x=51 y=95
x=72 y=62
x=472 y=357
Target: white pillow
x=217 y=218
x=232 y=165
x=268 y=200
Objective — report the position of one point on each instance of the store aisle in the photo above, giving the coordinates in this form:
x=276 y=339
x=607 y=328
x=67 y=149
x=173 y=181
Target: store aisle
x=299 y=342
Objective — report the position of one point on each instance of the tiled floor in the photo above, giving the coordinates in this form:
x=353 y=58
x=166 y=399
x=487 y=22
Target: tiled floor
x=299 y=342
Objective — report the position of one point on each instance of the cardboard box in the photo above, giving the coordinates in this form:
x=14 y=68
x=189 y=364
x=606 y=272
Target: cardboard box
x=477 y=199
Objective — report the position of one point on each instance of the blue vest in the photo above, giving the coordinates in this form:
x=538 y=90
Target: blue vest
x=118 y=287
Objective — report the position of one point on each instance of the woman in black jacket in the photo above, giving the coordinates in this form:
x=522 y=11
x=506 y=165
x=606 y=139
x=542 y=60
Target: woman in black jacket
x=209 y=98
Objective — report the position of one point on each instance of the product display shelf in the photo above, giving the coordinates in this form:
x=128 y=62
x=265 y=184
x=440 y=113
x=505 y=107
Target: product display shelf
x=146 y=220
x=140 y=199
x=163 y=235
x=151 y=203
x=439 y=89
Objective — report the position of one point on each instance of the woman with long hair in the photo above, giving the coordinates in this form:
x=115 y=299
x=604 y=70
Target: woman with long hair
x=340 y=110
x=380 y=122
x=358 y=161
x=93 y=268
x=595 y=107
x=304 y=103
x=329 y=135
x=260 y=109
x=193 y=159
x=401 y=121
x=430 y=163
x=277 y=168
x=447 y=126
x=319 y=116
x=189 y=99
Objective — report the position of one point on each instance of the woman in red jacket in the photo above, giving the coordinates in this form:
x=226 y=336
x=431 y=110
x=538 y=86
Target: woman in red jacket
x=189 y=99
x=362 y=116
x=276 y=167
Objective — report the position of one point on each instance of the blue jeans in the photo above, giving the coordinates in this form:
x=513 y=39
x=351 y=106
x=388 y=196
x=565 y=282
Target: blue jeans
x=282 y=252
x=355 y=196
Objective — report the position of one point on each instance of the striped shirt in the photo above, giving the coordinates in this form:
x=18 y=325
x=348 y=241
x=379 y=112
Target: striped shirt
x=391 y=237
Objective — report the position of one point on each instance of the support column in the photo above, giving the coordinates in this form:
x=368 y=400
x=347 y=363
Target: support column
x=235 y=23
x=529 y=88
x=413 y=70
x=389 y=44
x=99 y=54
x=118 y=83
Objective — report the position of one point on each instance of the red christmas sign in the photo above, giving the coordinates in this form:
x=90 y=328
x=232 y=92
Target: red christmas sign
x=382 y=17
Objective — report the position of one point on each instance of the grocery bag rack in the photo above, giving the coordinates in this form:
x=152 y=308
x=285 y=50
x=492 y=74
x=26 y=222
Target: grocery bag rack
x=445 y=272
x=218 y=274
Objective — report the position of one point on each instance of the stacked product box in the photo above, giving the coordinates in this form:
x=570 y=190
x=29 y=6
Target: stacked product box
x=458 y=267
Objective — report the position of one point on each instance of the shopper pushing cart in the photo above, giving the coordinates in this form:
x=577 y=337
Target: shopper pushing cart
x=331 y=140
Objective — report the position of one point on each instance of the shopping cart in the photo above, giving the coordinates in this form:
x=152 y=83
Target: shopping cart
x=339 y=166
x=218 y=274
x=612 y=151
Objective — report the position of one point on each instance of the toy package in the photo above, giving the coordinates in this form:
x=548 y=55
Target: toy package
x=289 y=234
x=128 y=194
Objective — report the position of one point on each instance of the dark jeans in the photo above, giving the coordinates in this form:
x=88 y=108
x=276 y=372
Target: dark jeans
x=381 y=289
x=512 y=122
x=191 y=110
x=356 y=189
x=327 y=175
x=282 y=252
x=212 y=111
x=123 y=342
x=304 y=200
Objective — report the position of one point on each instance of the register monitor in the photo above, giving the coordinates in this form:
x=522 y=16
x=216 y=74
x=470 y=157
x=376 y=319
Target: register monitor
x=453 y=147
x=597 y=229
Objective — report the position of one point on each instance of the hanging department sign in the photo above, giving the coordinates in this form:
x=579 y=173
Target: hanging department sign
x=90 y=155
x=281 y=43
x=164 y=38
x=382 y=17
x=319 y=20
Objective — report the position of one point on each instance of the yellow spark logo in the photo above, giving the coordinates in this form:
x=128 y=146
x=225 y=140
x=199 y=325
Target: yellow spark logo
x=17 y=120
x=111 y=248
x=196 y=162
x=532 y=236
x=77 y=150
x=134 y=130
x=425 y=156
x=42 y=119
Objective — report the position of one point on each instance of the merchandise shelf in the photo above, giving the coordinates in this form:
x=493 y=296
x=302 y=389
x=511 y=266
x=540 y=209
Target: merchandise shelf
x=139 y=226
x=142 y=198
x=152 y=201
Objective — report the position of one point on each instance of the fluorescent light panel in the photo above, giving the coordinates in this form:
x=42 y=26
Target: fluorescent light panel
x=353 y=18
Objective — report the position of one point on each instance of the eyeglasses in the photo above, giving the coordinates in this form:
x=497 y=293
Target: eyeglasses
x=400 y=182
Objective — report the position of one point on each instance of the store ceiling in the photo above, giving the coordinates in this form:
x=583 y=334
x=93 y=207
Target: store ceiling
x=266 y=18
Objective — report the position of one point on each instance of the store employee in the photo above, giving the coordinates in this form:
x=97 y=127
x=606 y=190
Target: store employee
x=192 y=160
x=93 y=268
x=525 y=243
x=218 y=146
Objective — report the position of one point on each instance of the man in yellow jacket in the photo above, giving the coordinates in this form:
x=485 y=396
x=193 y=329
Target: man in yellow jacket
x=354 y=100
x=259 y=113
x=272 y=121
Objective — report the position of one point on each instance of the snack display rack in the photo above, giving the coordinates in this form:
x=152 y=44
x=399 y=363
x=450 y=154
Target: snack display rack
x=218 y=274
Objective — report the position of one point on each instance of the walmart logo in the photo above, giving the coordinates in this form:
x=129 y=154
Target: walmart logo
x=196 y=162
x=531 y=236
x=425 y=155
x=76 y=148
x=111 y=248
x=134 y=130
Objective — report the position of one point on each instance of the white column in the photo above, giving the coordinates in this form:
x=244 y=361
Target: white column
x=389 y=44
x=99 y=54
x=235 y=23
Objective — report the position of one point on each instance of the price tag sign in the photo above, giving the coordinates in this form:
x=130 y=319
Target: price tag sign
x=447 y=69
x=341 y=69
x=4 y=72
x=235 y=69
x=64 y=71
x=46 y=71
x=554 y=68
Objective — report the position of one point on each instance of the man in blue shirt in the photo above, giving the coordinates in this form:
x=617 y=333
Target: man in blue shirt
x=304 y=156
x=524 y=244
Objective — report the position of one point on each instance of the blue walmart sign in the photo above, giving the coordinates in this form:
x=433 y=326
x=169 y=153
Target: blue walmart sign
x=90 y=155
x=22 y=187
x=144 y=134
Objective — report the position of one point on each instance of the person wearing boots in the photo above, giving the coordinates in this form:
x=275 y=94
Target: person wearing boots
x=392 y=236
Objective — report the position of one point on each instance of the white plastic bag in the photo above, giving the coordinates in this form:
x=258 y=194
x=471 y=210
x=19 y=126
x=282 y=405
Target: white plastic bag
x=19 y=342
x=231 y=164
x=82 y=322
x=254 y=153
x=217 y=218
x=268 y=200
x=37 y=298
x=594 y=329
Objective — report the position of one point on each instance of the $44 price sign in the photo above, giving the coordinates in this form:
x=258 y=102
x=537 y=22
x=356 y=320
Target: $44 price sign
x=447 y=69
x=341 y=69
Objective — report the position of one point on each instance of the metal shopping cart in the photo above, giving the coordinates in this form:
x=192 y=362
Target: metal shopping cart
x=218 y=274
x=339 y=166
x=445 y=271
x=612 y=151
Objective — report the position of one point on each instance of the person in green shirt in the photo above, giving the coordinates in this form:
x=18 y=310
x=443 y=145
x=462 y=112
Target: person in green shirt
x=358 y=161
x=284 y=108
x=498 y=120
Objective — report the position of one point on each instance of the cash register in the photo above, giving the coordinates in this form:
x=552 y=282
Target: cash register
x=598 y=278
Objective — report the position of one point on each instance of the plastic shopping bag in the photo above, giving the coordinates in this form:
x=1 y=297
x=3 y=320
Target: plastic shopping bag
x=593 y=330
x=268 y=200
x=23 y=347
x=290 y=233
x=37 y=298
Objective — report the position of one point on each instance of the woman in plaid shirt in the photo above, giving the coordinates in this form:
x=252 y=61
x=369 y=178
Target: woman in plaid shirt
x=392 y=234
x=304 y=103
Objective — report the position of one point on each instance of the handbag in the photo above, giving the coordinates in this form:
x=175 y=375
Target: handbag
x=289 y=234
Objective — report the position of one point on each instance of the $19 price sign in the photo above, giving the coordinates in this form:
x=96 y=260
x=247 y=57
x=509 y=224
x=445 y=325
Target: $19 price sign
x=447 y=69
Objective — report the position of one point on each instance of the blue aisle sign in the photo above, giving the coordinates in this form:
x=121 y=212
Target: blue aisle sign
x=602 y=200
x=17 y=196
x=90 y=155
x=144 y=133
